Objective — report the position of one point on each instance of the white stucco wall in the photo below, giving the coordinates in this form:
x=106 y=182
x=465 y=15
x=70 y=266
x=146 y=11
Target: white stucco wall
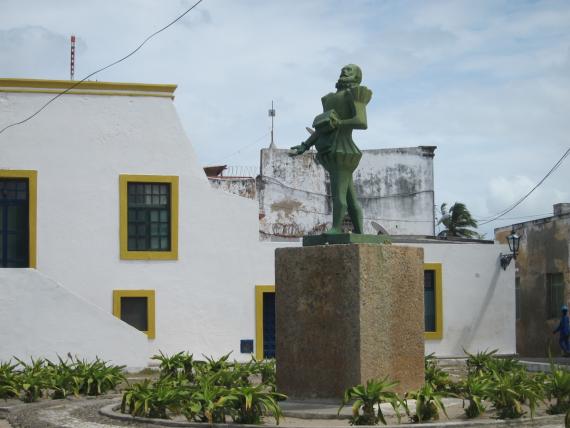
x=478 y=298
x=204 y=300
x=40 y=318
x=79 y=146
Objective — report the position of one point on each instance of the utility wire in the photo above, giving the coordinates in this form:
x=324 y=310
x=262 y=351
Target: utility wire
x=508 y=210
x=101 y=69
x=393 y=195
x=248 y=145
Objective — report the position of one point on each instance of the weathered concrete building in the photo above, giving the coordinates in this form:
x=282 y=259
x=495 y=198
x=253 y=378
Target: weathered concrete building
x=542 y=279
x=395 y=188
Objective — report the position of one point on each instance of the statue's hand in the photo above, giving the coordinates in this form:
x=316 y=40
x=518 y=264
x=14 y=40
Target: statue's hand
x=335 y=121
x=298 y=150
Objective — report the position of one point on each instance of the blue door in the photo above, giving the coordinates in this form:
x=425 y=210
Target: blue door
x=268 y=325
x=14 y=224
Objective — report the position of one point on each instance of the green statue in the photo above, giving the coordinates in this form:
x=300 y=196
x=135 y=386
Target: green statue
x=343 y=111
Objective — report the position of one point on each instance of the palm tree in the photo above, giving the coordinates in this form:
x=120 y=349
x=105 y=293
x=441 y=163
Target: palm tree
x=456 y=222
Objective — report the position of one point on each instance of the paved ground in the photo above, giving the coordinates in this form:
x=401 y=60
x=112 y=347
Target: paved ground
x=84 y=413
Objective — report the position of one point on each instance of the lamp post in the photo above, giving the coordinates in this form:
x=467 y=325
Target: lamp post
x=514 y=241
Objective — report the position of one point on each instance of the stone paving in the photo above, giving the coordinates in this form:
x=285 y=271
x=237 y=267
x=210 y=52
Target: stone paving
x=84 y=413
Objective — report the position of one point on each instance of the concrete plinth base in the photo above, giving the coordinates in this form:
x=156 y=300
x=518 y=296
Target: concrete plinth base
x=346 y=314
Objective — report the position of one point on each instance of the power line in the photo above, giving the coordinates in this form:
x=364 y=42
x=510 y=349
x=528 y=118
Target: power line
x=508 y=210
x=247 y=146
x=527 y=216
x=393 y=195
x=101 y=69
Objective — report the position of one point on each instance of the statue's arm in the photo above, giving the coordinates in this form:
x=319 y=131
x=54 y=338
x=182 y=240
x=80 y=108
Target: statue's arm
x=361 y=96
x=305 y=145
x=358 y=121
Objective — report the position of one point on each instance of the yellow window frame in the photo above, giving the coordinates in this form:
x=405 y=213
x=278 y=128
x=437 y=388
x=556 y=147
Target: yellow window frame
x=259 y=291
x=150 y=305
x=125 y=254
x=438 y=333
x=32 y=177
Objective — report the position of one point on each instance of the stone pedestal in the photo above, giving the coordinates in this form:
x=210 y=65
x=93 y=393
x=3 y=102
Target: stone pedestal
x=346 y=314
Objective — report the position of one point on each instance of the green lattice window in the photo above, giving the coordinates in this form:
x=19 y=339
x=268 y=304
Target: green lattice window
x=149 y=217
x=554 y=294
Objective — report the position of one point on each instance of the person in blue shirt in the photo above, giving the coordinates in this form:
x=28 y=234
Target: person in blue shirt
x=564 y=329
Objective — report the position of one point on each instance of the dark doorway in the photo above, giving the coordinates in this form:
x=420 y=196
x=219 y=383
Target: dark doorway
x=14 y=223
x=268 y=325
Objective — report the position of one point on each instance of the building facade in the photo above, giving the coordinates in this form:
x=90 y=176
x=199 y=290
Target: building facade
x=105 y=204
x=542 y=279
x=114 y=244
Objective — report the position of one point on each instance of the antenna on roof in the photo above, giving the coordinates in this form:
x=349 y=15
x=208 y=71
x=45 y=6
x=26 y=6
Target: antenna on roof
x=72 y=60
x=271 y=112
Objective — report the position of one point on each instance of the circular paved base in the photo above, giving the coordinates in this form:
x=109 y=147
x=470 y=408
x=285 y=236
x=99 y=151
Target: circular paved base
x=102 y=413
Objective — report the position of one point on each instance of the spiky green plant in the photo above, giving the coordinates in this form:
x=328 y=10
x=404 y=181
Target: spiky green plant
x=173 y=365
x=97 y=377
x=481 y=362
x=251 y=403
x=367 y=397
x=33 y=379
x=436 y=376
x=429 y=403
x=505 y=364
x=474 y=390
x=513 y=389
x=209 y=401
x=9 y=384
x=154 y=400
x=557 y=387
x=63 y=378
x=265 y=368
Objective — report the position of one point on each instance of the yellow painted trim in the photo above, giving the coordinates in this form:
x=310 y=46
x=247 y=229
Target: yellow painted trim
x=32 y=177
x=106 y=86
x=82 y=92
x=149 y=294
x=259 y=290
x=438 y=333
x=125 y=254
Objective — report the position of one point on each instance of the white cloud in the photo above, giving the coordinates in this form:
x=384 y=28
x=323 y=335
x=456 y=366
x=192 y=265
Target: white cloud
x=488 y=82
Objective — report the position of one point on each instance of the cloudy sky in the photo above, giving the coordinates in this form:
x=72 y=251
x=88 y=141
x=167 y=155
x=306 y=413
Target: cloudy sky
x=486 y=81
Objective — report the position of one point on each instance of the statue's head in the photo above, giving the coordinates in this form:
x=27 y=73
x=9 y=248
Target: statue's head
x=350 y=75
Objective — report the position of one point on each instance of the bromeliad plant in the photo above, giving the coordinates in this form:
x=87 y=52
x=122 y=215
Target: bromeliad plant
x=153 y=400
x=474 y=390
x=513 y=389
x=265 y=368
x=209 y=402
x=9 y=384
x=557 y=387
x=429 y=403
x=368 y=397
x=436 y=376
x=63 y=379
x=97 y=377
x=40 y=377
x=481 y=362
x=254 y=402
x=33 y=379
x=172 y=366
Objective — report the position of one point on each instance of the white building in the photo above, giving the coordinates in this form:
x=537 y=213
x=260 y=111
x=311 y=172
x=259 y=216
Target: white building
x=102 y=198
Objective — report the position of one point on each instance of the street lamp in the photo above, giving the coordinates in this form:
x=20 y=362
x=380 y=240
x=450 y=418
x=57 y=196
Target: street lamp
x=514 y=241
